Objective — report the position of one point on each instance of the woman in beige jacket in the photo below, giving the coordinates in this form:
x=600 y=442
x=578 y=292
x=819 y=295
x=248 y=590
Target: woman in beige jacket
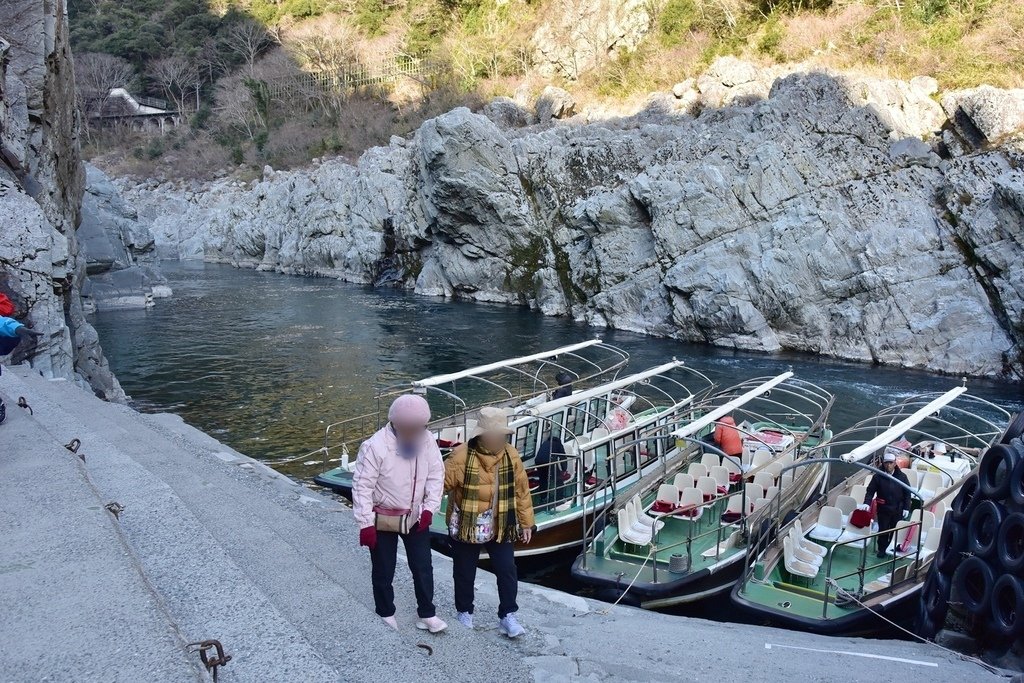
x=489 y=506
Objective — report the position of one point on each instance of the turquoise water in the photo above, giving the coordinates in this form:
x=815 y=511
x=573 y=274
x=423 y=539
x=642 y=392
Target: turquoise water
x=264 y=361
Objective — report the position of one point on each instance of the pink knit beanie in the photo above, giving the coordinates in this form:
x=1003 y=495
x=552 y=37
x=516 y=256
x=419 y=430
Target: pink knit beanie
x=409 y=409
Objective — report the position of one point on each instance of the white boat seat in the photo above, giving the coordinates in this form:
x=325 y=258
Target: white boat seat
x=801 y=553
x=762 y=456
x=829 y=526
x=683 y=481
x=710 y=460
x=734 y=468
x=721 y=475
x=847 y=504
x=931 y=544
x=734 y=509
x=642 y=517
x=793 y=564
x=931 y=482
x=760 y=503
x=764 y=479
x=771 y=492
x=912 y=477
x=709 y=487
x=774 y=469
x=903 y=529
x=691 y=504
x=754 y=491
x=626 y=531
x=667 y=499
x=858 y=492
x=697 y=470
x=803 y=542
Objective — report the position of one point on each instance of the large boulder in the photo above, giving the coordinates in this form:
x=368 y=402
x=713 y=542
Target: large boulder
x=554 y=103
x=986 y=115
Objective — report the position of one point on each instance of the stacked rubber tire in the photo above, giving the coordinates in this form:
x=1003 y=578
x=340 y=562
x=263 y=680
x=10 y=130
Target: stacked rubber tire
x=979 y=564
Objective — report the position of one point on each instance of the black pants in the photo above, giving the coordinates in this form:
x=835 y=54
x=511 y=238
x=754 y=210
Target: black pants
x=383 y=559
x=503 y=564
x=886 y=523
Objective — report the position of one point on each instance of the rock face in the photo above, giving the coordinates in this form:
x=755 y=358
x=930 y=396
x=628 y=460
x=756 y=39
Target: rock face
x=41 y=184
x=581 y=34
x=810 y=211
x=120 y=252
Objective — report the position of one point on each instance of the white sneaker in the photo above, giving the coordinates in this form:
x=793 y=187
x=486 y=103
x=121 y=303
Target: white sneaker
x=432 y=624
x=466 y=619
x=390 y=621
x=510 y=626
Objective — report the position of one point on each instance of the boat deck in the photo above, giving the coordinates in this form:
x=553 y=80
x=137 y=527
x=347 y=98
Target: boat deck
x=805 y=597
x=616 y=557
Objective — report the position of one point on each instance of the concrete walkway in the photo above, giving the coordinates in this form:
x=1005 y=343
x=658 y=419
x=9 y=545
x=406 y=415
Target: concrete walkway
x=212 y=544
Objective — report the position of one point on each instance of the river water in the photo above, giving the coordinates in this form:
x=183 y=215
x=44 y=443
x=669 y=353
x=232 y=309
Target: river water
x=264 y=361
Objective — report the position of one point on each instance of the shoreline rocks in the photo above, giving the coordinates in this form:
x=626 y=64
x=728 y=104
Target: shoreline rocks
x=793 y=209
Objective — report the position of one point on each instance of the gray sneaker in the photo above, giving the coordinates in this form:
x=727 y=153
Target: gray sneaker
x=510 y=626
x=466 y=619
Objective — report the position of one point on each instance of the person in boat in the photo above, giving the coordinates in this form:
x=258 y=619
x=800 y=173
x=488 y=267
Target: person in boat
x=564 y=389
x=396 y=489
x=551 y=468
x=727 y=437
x=489 y=506
x=892 y=501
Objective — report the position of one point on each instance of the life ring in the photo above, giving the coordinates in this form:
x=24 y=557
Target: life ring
x=995 y=470
x=1008 y=606
x=1015 y=429
x=973 y=582
x=1017 y=482
x=951 y=547
x=965 y=500
x=1010 y=543
x=983 y=529
x=935 y=596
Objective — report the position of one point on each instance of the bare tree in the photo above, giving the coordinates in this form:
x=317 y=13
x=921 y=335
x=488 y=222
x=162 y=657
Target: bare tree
x=96 y=74
x=236 y=107
x=248 y=39
x=176 y=76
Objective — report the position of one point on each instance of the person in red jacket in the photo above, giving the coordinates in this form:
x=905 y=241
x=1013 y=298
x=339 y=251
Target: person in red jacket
x=727 y=437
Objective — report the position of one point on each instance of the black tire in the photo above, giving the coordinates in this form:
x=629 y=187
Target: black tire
x=1007 y=605
x=925 y=626
x=951 y=547
x=965 y=499
x=1015 y=429
x=1017 y=483
x=995 y=470
x=983 y=529
x=1010 y=543
x=935 y=596
x=973 y=583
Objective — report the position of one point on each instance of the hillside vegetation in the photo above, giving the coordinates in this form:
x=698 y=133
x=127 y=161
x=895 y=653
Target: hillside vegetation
x=213 y=60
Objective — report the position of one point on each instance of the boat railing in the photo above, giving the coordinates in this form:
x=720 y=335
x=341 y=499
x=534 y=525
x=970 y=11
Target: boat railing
x=863 y=567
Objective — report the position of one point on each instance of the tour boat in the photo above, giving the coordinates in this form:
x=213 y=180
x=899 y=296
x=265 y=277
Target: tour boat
x=614 y=436
x=457 y=397
x=682 y=536
x=818 y=570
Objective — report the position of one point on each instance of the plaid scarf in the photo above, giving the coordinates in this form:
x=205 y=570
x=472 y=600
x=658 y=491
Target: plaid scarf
x=505 y=526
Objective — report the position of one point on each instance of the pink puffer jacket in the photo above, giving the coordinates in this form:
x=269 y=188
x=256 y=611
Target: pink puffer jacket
x=384 y=479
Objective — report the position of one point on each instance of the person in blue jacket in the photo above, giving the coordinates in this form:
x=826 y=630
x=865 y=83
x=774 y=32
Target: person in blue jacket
x=11 y=334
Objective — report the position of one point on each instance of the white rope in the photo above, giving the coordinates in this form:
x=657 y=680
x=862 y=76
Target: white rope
x=967 y=658
x=607 y=610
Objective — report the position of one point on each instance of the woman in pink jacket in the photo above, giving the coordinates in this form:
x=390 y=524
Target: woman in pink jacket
x=396 y=489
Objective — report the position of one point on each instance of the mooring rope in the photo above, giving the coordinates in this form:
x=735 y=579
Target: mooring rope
x=967 y=658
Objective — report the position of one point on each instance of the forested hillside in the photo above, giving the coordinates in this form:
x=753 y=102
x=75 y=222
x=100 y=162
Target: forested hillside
x=234 y=68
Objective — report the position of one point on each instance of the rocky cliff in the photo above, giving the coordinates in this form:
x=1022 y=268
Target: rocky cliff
x=41 y=184
x=753 y=208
